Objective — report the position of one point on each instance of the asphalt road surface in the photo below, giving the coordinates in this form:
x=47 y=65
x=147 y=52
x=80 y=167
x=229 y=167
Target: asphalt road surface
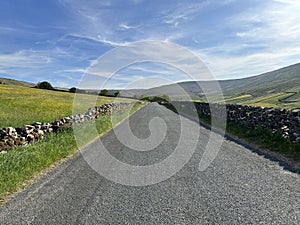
x=239 y=187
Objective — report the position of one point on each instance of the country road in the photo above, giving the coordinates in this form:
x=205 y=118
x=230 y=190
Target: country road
x=239 y=187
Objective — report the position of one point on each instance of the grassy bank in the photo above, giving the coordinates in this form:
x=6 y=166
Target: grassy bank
x=259 y=137
x=23 y=163
x=25 y=105
x=265 y=139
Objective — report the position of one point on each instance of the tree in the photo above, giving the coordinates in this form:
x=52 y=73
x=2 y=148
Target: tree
x=73 y=90
x=117 y=93
x=104 y=92
x=44 y=85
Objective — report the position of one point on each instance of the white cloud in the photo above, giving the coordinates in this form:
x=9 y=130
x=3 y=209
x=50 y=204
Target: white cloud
x=183 y=12
x=277 y=23
x=25 y=59
x=125 y=26
x=75 y=70
x=256 y=39
x=110 y=42
x=6 y=29
x=251 y=64
x=179 y=63
x=267 y=39
x=98 y=38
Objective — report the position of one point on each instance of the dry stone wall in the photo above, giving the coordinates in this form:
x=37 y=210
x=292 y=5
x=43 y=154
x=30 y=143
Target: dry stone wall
x=10 y=136
x=284 y=121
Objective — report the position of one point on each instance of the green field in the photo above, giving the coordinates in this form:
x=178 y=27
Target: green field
x=24 y=105
x=268 y=100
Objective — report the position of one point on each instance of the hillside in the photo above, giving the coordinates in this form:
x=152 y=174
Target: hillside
x=279 y=88
x=282 y=80
x=268 y=89
x=16 y=82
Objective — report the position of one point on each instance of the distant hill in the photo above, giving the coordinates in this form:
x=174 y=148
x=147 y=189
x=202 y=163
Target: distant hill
x=282 y=80
x=26 y=84
x=267 y=89
x=16 y=82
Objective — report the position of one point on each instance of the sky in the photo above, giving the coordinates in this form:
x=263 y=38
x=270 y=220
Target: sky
x=60 y=40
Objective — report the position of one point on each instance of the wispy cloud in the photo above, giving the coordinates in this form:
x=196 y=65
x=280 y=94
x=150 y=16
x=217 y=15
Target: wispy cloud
x=124 y=26
x=183 y=12
x=277 y=22
x=24 y=59
x=235 y=38
x=75 y=70
x=268 y=37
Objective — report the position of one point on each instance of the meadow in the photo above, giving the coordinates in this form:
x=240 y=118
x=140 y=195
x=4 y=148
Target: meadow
x=23 y=105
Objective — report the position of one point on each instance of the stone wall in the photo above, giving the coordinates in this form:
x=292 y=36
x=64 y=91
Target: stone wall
x=10 y=136
x=284 y=121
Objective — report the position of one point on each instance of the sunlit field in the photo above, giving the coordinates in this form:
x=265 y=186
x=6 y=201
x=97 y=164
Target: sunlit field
x=23 y=105
x=271 y=100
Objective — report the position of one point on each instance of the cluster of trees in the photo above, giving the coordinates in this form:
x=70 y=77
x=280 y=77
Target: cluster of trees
x=48 y=86
x=106 y=92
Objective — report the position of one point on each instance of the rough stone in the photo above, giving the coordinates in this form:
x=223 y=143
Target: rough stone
x=284 y=121
x=10 y=136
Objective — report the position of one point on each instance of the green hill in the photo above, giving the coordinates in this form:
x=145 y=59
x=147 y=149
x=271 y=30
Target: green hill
x=279 y=88
x=15 y=82
x=267 y=89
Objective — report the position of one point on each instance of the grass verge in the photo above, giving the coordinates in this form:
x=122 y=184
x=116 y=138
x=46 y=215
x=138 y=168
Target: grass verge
x=263 y=138
x=22 y=163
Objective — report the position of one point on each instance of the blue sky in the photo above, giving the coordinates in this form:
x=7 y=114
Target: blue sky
x=57 y=40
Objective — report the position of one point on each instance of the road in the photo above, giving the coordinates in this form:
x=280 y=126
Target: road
x=239 y=187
